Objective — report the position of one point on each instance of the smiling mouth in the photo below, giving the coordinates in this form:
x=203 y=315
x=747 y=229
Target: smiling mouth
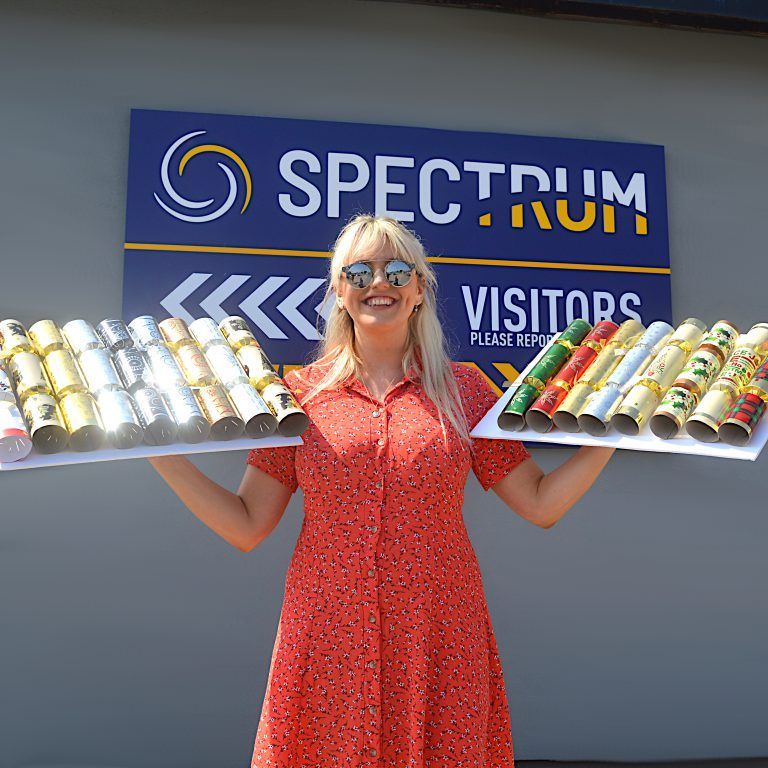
x=379 y=301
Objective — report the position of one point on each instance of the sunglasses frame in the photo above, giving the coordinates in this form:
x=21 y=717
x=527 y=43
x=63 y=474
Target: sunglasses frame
x=346 y=267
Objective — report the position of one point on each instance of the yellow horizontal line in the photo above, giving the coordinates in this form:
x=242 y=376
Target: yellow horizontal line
x=223 y=249
x=550 y=265
x=436 y=259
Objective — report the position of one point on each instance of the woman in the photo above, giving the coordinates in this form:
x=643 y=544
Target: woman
x=385 y=654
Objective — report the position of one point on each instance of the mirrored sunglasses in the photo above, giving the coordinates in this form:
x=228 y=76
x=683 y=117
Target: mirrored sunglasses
x=360 y=274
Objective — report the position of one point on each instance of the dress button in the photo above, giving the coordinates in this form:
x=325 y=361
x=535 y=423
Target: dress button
x=372 y=663
x=381 y=441
x=379 y=484
x=372 y=709
x=374 y=528
x=376 y=414
x=372 y=618
x=372 y=752
x=371 y=572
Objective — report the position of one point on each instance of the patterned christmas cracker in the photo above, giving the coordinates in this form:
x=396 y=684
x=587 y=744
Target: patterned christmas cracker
x=539 y=415
x=694 y=380
x=512 y=417
x=32 y=384
x=751 y=349
x=80 y=337
x=640 y=402
x=720 y=340
x=145 y=332
x=45 y=422
x=760 y=380
x=83 y=421
x=566 y=416
x=6 y=388
x=15 y=442
x=290 y=416
x=13 y=339
x=46 y=337
x=596 y=415
x=757 y=337
x=182 y=372
x=742 y=418
x=28 y=375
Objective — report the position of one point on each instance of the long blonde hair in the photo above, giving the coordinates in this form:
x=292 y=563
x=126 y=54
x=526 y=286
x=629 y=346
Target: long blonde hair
x=425 y=349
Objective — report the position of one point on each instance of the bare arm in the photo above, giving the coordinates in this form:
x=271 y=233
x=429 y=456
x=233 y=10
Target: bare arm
x=544 y=498
x=244 y=519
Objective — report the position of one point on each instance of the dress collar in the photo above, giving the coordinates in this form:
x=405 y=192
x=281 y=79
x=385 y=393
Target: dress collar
x=353 y=383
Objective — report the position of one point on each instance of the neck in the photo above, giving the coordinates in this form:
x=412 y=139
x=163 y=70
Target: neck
x=381 y=354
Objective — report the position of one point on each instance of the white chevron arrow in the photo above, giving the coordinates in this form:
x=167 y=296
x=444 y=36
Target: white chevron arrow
x=252 y=307
x=212 y=303
x=172 y=302
x=289 y=307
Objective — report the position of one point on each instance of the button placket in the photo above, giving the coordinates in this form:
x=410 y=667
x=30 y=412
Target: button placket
x=369 y=606
x=380 y=431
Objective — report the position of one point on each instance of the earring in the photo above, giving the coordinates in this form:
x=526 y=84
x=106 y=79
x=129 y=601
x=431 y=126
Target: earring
x=416 y=308
x=340 y=303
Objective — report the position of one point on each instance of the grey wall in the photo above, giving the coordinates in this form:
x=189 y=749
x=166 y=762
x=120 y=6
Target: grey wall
x=130 y=635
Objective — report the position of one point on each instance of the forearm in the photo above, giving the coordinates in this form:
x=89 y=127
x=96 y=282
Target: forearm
x=221 y=510
x=561 y=488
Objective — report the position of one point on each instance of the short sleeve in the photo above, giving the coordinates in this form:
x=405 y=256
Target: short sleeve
x=279 y=463
x=492 y=459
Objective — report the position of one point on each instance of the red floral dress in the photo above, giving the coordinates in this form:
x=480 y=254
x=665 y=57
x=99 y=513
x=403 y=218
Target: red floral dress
x=385 y=654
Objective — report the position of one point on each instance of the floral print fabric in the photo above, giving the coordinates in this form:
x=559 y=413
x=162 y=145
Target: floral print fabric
x=385 y=654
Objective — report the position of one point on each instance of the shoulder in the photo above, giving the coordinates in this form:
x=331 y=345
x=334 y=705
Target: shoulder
x=468 y=377
x=301 y=380
x=477 y=392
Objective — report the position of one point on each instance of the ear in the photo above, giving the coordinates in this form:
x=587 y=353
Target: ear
x=422 y=283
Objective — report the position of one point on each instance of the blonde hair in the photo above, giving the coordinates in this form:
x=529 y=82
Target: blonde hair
x=425 y=349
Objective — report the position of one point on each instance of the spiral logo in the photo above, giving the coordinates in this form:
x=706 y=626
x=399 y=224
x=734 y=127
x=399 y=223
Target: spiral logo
x=192 y=205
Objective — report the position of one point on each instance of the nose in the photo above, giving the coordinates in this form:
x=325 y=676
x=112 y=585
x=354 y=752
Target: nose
x=379 y=278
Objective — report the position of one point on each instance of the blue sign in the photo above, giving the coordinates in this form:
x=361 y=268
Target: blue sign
x=236 y=215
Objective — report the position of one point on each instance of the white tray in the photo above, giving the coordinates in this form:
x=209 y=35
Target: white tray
x=35 y=460
x=645 y=441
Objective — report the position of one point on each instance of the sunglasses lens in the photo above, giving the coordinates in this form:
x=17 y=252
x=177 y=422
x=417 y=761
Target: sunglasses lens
x=360 y=275
x=398 y=272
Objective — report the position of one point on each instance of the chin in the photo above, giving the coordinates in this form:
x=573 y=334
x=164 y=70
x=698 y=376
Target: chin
x=389 y=323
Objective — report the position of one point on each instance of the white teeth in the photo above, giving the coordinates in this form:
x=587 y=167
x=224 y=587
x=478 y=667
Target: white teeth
x=379 y=301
